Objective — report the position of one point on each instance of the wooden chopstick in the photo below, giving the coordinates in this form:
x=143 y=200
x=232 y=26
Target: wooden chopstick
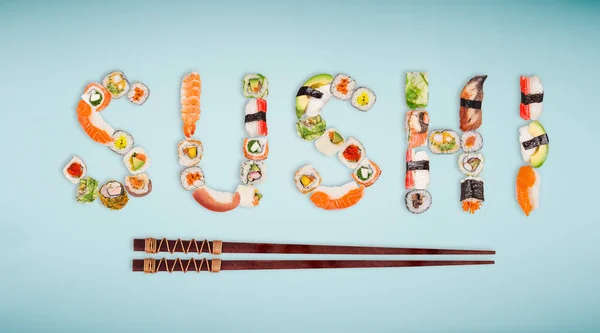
x=151 y=265
x=153 y=245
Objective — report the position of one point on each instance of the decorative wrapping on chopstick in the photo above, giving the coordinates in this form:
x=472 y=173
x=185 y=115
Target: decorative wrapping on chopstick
x=152 y=245
x=152 y=266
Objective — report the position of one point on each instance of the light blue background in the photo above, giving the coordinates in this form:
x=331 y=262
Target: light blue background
x=65 y=267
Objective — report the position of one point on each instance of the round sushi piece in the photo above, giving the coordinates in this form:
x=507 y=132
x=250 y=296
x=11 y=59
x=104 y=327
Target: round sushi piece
x=136 y=160
x=352 y=154
x=190 y=152
x=249 y=196
x=113 y=195
x=255 y=86
x=331 y=142
x=122 y=144
x=471 y=141
x=444 y=141
x=192 y=178
x=343 y=86
x=96 y=96
x=138 y=93
x=87 y=191
x=253 y=172
x=256 y=148
x=116 y=83
x=75 y=170
x=307 y=179
x=138 y=185
x=418 y=201
x=366 y=173
x=363 y=99
x=471 y=164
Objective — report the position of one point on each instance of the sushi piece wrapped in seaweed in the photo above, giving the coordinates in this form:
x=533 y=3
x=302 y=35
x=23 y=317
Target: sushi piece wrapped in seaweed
x=342 y=87
x=363 y=99
x=417 y=90
x=471 y=194
x=417 y=201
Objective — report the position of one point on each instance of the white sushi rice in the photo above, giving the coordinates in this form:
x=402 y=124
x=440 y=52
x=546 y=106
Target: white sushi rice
x=350 y=87
x=247 y=194
x=245 y=172
x=534 y=192
x=466 y=168
x=525 y=135
x=121 y=137
x=136 y=150
x=350 y=164
x=116 y=78
x=421 y=177
x=478 y=141
x=315 y=105
x=184 y=159
x=307 y=170
x=197 y=183
x=336 y=192
x=325 y=146
x=535 y=87
x=371 y=98
x=74 y=180
x=132 y=92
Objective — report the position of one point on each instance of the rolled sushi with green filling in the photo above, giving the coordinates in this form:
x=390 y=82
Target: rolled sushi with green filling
x=256 y=86
x=87 y=191
x=417 y=90
x=113 y=195
x=311 y=128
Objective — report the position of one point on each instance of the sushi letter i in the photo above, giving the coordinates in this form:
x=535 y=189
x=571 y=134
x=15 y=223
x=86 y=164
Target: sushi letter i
x=534 y=144
x=311 y=98
x=255 y=146
x=416 y=124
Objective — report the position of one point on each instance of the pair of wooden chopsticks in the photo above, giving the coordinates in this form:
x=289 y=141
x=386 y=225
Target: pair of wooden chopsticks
x=154 y=246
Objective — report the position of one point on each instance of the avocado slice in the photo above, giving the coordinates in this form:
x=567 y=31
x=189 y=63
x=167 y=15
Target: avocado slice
x=137 y=163
x=336 y=138
x=315 y=82
x=254 y=167
x=539 y=157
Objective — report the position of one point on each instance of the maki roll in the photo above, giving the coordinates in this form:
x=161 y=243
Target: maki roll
x=87 y=191
x=307 y=179
x=532 y=96
x=136 y=160
x=363 y=99
x=352 y=154
x=311 y=128
x=113 y=195
x=417 y=90
x=138 y=185
x=471 y=194
x=470 y=104
x=471 y=164
x=417 y=201
x=253 y=172
x=256 y=148
x=534 y=144
x=138 y=93
x=96 y=96
x=337 y=197
x=471 y=141
x=342 y=87
x=190 y=152
x=416 y=125
x=122 y=142
x=75 y=170
x=528 y=189
x=249 y=196
x=255 y=121
x=417 y=170
x=331 y=142
x=313 y=95
x=192 y=178
x=444 y=142
x=366 y=173
x=216 y=201
x=255 y=86
x=116 y=83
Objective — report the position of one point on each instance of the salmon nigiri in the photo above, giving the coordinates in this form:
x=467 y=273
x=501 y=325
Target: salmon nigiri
x=339 y=197
x=528 y=189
